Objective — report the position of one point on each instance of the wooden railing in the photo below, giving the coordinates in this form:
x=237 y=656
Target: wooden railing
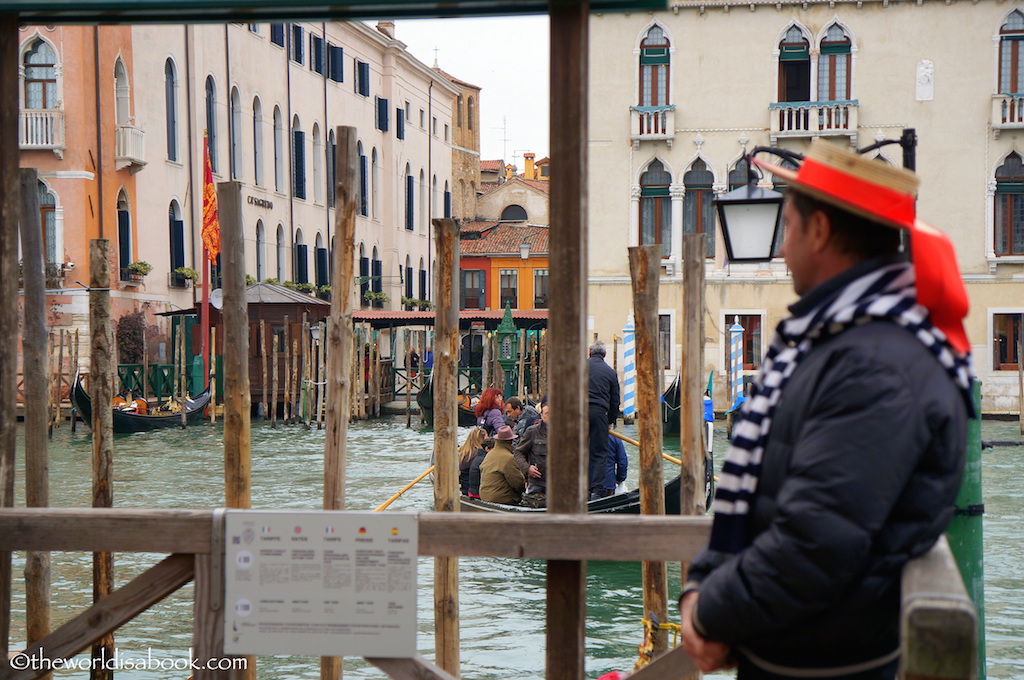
x=938 y=621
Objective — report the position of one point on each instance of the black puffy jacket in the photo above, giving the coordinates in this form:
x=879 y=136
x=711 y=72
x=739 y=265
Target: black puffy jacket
x=860 y=472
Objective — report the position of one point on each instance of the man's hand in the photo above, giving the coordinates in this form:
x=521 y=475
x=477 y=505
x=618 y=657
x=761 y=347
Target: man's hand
x=708 y=655
x=534 y=472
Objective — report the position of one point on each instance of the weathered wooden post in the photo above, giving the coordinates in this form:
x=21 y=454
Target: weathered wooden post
x=645 y=268
x=60 y=377
x=339 y=339
x=37 y=470
x=446 y=477
x=408 y=381
x=102 y=429
x=566 y=579
x=691 y=395
x=263 y=357
x=274 y=350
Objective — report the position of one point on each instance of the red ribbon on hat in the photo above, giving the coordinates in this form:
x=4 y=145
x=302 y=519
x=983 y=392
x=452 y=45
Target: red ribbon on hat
x=865 y=195
x=940 y=288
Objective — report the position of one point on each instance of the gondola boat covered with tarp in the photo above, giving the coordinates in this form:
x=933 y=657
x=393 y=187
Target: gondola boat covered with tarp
x=126 y=421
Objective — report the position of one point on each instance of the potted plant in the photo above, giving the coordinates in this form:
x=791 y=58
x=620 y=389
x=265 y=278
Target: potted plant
x=136 y=271
x=376 y=299
x=324 y=292
x=184 y=276
x=307 y=288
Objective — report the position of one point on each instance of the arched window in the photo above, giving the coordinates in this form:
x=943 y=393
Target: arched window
x=447 y=201
x=460 y=199
x=301 y=258
x=458 y=111
x=278 y=150
x=1009 y=208
x=834 y=65
x=470 y=112
x=261 y=251
x=1011 y=65
x=48 y=220
x=423 y=282
x=656 y=208
x=122 y=94
x=298 y=159
x=176 y=227
x=235 y=133
x=171 y=109
x=410 y=205
x=655 y=63
x=698 y=215
x=257 y=141
x=282 y=254
x=332 y=169
x=318 y=165
x=40 y=64
x=514 y=213
x=374 y=184
x=211 y=120
x=794 y=67
x=124 y=235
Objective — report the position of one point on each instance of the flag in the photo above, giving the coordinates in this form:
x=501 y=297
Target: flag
x=211 y=227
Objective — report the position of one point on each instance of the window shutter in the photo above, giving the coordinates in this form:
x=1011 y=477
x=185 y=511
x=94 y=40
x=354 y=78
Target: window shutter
x=297 y=43
x=382 y=114
x=301 y=263
x=177 y=244
x=322 y=270
x=277 y=34
x=423 y=284
x=299 y=163
x=378 y=283
x=408 y=202
x=364 y=79
x=447 y=204
x=794 y=53
x=362 y=186
x=124 y=240
x=364 y=272
x=335 y=63
x=400 y=122
x=408 y=282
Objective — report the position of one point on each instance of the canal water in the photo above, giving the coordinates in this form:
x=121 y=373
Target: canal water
x=502 y=601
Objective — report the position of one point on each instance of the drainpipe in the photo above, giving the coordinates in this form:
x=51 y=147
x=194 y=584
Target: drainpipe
x=188 y=141
x=330 y=160
x=430 y=165
x=291 y=146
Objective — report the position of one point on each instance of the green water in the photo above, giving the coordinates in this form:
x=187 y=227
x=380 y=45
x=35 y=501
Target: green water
x=502 y=601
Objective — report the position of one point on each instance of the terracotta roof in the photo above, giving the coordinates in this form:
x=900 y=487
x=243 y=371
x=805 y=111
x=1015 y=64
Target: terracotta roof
x=477 y=226
x=455 y=80
x=540 y=185
x=492 y=166
x=505 y=239
x=542 y=161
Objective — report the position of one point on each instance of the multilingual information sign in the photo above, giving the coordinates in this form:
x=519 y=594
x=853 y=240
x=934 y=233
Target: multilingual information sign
x=320 y=583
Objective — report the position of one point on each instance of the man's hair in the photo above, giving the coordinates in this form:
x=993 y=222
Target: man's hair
x=599 y=348
x=853 y=235
x=544 y=401
x=515 y=403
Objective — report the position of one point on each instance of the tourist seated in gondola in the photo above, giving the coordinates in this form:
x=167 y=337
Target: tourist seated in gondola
x=488 y=411
x=531 y=455
x=473 y=490
x=501 y=480
x=519 y=416
x=618 y=466
x=474 y=442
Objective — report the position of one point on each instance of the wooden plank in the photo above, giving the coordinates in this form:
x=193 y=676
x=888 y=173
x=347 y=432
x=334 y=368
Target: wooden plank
x=208 y=616
x=568 y=479
x=645 y=271
x=102 y=618
x=672 y=665
x=446 y=475
x=938 y=622
x=416 y=668
x=237 y=399
x=114 y=530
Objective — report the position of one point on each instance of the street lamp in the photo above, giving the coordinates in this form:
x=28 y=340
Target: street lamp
x=750 y=218
x=524 y=250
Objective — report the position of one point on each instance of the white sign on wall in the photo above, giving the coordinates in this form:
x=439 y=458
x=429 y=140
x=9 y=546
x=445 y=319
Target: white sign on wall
x=320 y=583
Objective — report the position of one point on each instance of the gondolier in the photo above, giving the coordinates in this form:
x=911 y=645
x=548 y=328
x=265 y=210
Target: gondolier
x=847 y=457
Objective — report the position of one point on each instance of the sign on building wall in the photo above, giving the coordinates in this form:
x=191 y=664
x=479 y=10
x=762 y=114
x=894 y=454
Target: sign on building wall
x=179 y=11
x=320 y=583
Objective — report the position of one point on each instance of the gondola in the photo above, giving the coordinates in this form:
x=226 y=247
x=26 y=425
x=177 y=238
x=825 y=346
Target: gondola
x=670 y=410
x=126 y=422
x=425 y=400
x=621 y=504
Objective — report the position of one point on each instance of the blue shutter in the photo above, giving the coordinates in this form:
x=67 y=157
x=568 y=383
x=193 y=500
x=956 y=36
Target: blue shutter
x=362 y=186
x=408 y=203
x=447 y=204
x=277 y=34
x=364 y=78
x=364 y=273
x=335 y=63
x=423 y=284
x=299 y=163
x=124 y=241
x=400 y=122
x=408 y=282
x=301 y=264
x=297 y=43
x=382 y=114
x=322 y=268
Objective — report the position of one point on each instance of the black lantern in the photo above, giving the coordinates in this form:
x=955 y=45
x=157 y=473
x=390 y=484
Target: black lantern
x=750 y=217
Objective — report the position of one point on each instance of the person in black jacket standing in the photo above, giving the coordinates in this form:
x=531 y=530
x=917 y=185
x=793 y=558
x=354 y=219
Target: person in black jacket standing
x=604 y=410
x=847 y=457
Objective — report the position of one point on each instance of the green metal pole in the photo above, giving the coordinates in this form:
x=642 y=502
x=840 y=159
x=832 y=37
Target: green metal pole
x=965 y=531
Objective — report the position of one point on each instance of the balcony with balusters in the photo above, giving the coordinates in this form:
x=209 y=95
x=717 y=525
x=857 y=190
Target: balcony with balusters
x=652 y=124
x=130 y=148
x=813 y=119
x=41 y=130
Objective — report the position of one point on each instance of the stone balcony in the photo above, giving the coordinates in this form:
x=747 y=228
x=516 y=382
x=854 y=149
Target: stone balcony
x=813 y=119
x=652 y=124
x=130 y=148
x=41 y=130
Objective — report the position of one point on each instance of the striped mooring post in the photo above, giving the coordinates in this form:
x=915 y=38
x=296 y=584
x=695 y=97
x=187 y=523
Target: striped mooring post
x=629 y=370
x=736 y=362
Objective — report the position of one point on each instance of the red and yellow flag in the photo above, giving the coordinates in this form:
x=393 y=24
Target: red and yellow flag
x=211 y=227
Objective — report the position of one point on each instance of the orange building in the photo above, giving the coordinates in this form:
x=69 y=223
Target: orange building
x=503 y=264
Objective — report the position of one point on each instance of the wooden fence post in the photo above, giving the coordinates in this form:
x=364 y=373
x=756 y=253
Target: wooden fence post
x=645 y=269
x=446 y=476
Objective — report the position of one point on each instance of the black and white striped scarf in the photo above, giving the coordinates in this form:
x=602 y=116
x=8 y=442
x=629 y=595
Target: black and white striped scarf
x=884 y=293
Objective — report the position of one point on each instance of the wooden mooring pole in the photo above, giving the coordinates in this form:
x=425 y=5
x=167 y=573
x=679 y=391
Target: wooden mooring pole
x=446 y=477
x=645 y=269
x=566 y=579
x=263 y=357
x=34 y=352
x=339 y=339
x=691 y=388
x=102 y=394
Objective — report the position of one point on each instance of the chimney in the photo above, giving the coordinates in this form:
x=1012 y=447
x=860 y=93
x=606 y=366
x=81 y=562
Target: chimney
x=529 y=172
x=387 y=28
x=509 y=171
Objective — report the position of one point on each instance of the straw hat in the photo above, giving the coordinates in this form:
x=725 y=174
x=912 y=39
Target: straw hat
x=885 y=194
x=874 y=190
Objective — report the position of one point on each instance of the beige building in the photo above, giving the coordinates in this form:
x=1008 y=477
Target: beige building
x=465 y=138
x=678 y=97
x=270 y=97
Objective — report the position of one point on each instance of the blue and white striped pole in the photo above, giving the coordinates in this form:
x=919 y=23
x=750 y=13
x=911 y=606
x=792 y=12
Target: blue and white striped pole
x=629 y=370
x=736 y=362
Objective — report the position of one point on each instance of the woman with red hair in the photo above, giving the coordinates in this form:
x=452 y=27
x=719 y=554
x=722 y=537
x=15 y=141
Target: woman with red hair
x=488 y=410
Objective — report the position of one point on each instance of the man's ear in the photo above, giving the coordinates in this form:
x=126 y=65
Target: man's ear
x=818 y=229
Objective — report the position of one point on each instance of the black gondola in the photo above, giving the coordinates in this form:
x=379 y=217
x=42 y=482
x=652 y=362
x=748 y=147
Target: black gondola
x=425 y=400
x=621 y=504
x=126 y=422
x=670 y=410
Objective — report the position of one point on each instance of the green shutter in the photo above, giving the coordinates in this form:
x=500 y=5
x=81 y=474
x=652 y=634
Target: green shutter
x=835 y=49
x=648 y=192
x=794 y=53
x=652 y=55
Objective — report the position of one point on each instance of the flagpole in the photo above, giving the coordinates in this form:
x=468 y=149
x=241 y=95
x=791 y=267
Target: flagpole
x=211 y=249
x=205 y=323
